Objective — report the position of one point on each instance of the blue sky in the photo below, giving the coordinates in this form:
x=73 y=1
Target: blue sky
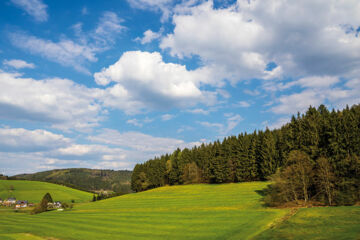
x=108 y=84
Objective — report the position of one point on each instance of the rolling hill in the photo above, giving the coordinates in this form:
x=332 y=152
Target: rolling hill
x=33 y=191
x=84 y=179
x=226 y=211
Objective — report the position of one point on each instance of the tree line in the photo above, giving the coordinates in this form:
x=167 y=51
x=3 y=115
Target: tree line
x=313 y=157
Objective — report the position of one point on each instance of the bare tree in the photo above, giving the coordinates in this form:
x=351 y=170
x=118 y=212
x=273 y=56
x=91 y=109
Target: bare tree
x=299 y=168
x=326 y=178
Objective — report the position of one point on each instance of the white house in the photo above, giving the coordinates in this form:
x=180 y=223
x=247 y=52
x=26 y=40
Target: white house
x=10 y=201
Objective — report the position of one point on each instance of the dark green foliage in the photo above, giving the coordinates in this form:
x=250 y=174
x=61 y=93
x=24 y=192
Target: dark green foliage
x=324 y=144
x=47 y=197
x=3 y=177
x=43 y=206
x=85 y=179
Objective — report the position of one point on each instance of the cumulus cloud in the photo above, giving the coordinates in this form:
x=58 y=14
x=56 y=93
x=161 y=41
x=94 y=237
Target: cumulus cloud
x=35 y=8
x=222 y=37
x=143 y=80
x=60 y=102
x=149 y=36
x=23 y=140
x=242 y=39
x=18 y=64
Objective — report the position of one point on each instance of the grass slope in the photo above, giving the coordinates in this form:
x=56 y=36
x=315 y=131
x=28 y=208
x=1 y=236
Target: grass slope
x=227 y=211
x=319 y=223
x=33 y=191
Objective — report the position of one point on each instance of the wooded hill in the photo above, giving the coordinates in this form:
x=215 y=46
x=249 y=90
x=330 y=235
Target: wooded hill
x=317 y=134
x=84 y=179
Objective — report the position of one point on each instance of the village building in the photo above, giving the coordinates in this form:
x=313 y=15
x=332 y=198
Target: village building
x=55 y=205
x=10 y=201
x=21 y=204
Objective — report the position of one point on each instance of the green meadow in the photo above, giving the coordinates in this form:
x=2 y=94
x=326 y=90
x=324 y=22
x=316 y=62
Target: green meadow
x=224 y=211
x=33 y=191
x=318 y=223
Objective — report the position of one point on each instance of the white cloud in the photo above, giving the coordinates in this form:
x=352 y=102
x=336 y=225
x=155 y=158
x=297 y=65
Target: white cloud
x=81 y=151
x=66 y=52
x=143 y=80
x=311 y=82
x=18 y=64
x=140 y=141
x=244 y=104
x=60 y=102
x=73 y=53
x=163 y=6
x=318 y=90
x=23 y=140
x=232 y=120
x=47 y=150
x=278 y=123
x=35 y=8
x=149 y=36
x=214 y=35
x=134 y=122
x=298 y=102
x=108 y=28
x=199 y=111
x=139 y=122
x=252 y=92
x=240 y=40
x=167 y=117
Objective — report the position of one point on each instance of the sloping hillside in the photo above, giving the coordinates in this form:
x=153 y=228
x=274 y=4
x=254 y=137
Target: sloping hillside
x=33 y=191
x=179 y=212
x=318 y=223
x=85 y=179
x=226 y=211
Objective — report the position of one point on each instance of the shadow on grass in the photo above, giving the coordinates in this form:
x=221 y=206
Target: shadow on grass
x=263 y=193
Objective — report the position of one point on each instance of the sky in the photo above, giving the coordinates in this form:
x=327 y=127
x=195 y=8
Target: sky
x=108 y=84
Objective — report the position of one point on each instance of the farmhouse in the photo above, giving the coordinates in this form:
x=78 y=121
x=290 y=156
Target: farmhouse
x=21 y=204
x=55 y=205
x=10 y=201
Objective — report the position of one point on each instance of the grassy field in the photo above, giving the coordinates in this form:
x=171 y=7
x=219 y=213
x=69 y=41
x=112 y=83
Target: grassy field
x=226 y=211
x=33 y=191
x=318 y=223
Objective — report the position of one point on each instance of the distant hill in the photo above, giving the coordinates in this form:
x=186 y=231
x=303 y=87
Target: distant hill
x=33 y=191
x=84 y=179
